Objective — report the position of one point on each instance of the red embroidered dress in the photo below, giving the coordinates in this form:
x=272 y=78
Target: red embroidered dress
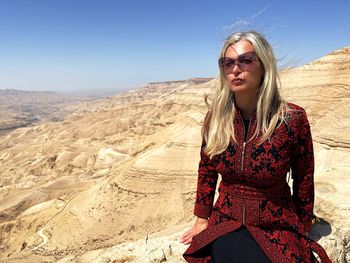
x=254 y=192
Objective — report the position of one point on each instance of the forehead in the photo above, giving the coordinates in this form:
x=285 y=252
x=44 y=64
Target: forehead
x=240 y=47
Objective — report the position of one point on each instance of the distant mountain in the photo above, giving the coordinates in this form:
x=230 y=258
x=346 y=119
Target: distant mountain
x=15 y=97
x=20 y=108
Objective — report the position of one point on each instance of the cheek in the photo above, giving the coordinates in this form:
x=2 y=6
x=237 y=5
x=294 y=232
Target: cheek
x=229 y=77
x=261 y=73
x=256 y=77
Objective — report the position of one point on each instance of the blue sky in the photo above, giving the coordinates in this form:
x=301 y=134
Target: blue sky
x=68 y=45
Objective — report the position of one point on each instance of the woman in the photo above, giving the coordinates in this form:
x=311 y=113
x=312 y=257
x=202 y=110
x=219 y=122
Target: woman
x=253 y=139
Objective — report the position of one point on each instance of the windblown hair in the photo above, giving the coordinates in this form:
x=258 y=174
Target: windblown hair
x=218 y=124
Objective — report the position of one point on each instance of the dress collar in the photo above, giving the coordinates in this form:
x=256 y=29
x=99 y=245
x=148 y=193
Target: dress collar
x=239 y=112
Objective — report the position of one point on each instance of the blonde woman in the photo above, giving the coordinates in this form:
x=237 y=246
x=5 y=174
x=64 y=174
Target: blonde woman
x=252 y=138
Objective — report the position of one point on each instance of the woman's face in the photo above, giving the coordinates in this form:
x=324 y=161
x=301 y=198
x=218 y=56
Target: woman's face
x=247 y=76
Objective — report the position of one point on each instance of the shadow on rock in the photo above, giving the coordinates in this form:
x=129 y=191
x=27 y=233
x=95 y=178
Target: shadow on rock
x=320 y=228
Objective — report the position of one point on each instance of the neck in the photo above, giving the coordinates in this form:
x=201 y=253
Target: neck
x=246 y=103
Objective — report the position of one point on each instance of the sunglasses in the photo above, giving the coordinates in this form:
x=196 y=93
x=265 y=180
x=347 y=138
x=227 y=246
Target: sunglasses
x=244 y=61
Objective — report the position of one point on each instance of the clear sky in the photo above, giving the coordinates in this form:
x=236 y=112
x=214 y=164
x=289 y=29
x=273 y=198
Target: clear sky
x=103 y=44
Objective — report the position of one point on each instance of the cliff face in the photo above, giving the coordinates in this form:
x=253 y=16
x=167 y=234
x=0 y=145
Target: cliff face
x=322 y=87
x=121 y=168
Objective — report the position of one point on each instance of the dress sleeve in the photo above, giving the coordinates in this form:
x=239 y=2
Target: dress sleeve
x=206 y=184
x=303 y=172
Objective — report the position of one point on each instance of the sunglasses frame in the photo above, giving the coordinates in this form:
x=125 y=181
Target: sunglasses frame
x=240 y=61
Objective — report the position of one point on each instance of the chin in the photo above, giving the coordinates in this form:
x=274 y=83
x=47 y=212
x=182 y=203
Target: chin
x=238 y=88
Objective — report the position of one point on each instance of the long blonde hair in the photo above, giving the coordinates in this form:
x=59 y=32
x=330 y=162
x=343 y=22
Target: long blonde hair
x=218 y=124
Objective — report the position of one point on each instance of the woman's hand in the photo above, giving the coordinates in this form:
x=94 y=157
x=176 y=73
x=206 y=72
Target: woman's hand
x=200 y=225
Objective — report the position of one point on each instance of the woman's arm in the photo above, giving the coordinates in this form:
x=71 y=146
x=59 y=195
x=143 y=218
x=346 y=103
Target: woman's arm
x=303 y=172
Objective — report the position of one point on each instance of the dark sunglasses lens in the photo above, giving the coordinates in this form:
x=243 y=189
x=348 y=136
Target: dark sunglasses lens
x=226 y=62
x=245 y=61
x=221 y=62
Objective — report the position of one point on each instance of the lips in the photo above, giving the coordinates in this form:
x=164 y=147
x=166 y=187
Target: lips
x=237 y=81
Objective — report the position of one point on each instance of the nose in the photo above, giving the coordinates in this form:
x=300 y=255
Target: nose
x=236 y=68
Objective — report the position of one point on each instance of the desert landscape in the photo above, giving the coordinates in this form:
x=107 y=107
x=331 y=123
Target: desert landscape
x=115 y=179
x=19 y=108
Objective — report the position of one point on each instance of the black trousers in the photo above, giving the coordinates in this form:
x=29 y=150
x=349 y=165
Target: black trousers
x=237 y=246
